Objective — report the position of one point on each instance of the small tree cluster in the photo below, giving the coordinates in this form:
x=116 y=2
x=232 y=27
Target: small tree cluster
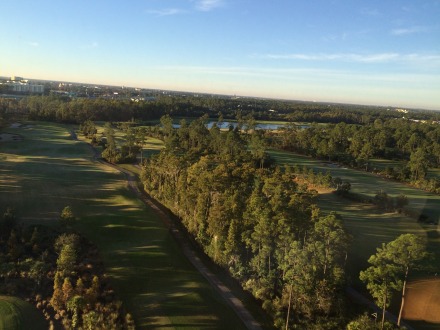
x=388 y=203
x=88 y=129
x=127 y=153
x=52 y=273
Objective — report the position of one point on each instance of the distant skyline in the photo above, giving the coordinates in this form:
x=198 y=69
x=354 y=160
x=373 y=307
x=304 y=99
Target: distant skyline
x=362 y=52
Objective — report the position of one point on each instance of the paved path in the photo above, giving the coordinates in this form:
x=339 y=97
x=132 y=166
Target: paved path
x=187 y=249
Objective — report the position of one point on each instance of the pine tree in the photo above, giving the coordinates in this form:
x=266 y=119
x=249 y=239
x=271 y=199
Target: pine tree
x=66 y=261
x=57 y=300
x=67 y=289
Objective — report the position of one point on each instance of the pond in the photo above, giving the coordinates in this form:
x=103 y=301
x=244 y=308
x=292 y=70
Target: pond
x=264 y=126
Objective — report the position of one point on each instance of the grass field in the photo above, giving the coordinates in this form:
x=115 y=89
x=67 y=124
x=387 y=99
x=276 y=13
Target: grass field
x=48 y=170
x=17 y=314
x=370 y=228
x=368 y=184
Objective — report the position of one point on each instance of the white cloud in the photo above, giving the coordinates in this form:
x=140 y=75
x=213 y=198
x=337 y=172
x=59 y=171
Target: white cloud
x=208 y=5
x=34 y=44
x=408 y=30
x=166 y=12
x=371 y=58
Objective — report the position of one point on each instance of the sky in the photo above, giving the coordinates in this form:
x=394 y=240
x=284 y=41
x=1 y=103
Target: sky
x=383 y=52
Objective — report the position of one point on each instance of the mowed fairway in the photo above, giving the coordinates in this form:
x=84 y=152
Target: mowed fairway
x=369 y=184
x=17 y=314
x=48 y=170
x=370 y=228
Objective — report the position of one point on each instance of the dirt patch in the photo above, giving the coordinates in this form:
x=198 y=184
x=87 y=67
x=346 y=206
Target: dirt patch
x=7 y=137
x=423 y=301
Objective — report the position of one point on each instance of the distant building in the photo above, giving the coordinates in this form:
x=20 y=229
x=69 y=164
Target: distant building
x=15 y=78
x=24 y=86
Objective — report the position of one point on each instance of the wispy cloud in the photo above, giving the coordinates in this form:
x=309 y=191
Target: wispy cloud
x=90 y=46
x=372 y=12
x=208 y=5
x=409 y=30
x=370 y=58
x=335 y=37
x=359 y=58
x=407 y=9
x=34 y=44
x=166 y=12
x=198 y=5
x=300 y=74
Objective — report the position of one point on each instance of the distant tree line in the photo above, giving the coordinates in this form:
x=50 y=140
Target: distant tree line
x=77 y=110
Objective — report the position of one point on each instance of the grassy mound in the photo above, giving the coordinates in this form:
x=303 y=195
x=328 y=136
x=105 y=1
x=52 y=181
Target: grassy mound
x=19 y=314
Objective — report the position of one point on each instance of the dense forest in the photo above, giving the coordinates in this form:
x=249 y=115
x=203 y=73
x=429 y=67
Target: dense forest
x=253 y=219
x=257 y=219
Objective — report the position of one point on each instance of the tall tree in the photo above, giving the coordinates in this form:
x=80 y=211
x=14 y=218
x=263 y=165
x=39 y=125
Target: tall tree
x=110 y=152
x=66 y=261
x=406 y=252
x=381 y=278
x=418 y=164
x=258 y=147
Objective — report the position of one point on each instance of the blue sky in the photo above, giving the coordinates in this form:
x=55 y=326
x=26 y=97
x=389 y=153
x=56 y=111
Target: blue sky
x=383 y=52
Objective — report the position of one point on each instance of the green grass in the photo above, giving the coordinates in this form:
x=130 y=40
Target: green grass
x=48 y=170
x=17 y=314
x=370 y=227
x=368 y=184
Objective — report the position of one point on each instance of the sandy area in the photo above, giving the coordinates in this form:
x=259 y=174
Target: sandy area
x=423 y=301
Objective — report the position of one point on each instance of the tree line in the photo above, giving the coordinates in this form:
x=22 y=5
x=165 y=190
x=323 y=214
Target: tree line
x=77 y=110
